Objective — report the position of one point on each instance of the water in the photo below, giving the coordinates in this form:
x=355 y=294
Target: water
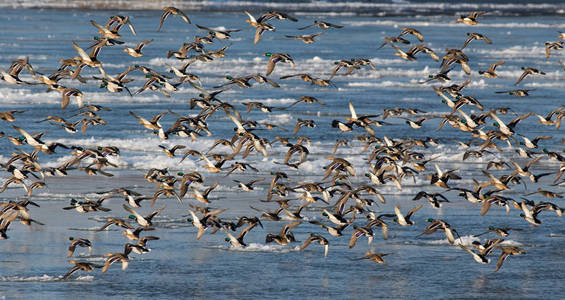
x=33 y=259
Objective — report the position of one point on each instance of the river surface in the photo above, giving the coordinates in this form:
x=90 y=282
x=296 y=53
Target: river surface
x=33 y=259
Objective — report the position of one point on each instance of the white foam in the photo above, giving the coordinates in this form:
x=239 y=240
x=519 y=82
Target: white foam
x=452 y=24
x=266 y=100
x=256 y=247
x=466 y=240
x=42 y=278
x=311 y=7
x=278 y=119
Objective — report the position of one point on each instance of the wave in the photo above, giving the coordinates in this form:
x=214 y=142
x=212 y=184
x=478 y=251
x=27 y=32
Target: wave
x=384 y=8
x=452 y=24
x=468 y=240
x=256 y=247
x=143 y=153
x=44 y=278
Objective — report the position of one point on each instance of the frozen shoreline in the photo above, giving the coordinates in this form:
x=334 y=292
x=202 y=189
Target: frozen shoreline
x=381 y=9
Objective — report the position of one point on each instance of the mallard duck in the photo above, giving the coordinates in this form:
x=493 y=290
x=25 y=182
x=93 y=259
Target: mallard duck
x=203 y=196
x=8 y=116
x=552 y=46
x=307 y=39
x=112 y=258
x=285 y=236
x=507 y=251
x=500 y=231
x=260 y=25
x=84 y=266
x=220 y=34
x=141 y=220
x=436 y=224
x=475 y=36
x=376 y=257
x=490 y=73
x=359 y=232
x=405 y=220
x=172 y=11
x=478 y=257
x=275 y=58
x=78 y=242
x=412 y=31
x=117 y=222
x=248 y=187
x=136 y=52
x=276 y=15
x=316 y=238
x=528 y=71
x=321 y=24
x=471 y=19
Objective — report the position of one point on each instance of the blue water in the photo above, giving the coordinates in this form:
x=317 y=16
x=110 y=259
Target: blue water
x=33 y=258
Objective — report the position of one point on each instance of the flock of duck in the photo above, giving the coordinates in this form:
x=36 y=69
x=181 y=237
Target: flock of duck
x=347 y=197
